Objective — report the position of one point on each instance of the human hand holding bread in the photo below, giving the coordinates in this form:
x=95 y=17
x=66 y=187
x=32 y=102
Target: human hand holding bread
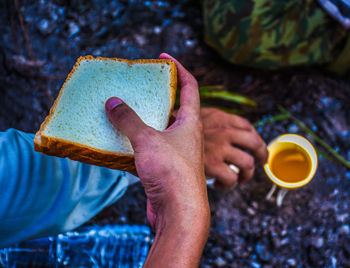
x=169 y=164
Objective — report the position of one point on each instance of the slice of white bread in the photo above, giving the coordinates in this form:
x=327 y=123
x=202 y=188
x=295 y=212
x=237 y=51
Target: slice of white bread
x=77 y=125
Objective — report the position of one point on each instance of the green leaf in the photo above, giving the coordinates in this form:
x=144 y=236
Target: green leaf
x=229 y=96
x=227 y=110
x=271 y=119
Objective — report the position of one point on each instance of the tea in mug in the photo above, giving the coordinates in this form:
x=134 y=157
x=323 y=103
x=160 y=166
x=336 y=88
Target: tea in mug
x=291 y=164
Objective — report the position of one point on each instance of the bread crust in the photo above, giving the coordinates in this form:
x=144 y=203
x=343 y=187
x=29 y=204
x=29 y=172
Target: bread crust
x=76 y=151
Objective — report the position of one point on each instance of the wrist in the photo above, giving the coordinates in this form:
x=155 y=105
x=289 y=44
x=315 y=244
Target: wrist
x=186 y=206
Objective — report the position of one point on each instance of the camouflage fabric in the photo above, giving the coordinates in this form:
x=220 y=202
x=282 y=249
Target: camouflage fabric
x=271 y=34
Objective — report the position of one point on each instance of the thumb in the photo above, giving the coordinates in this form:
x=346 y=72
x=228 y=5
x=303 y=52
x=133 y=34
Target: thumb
x=125 y=119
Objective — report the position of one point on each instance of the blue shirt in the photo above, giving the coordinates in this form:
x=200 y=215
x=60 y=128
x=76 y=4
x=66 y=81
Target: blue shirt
x=42 y=195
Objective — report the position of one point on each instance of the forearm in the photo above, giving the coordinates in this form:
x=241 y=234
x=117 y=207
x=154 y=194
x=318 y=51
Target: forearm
x=180 y=243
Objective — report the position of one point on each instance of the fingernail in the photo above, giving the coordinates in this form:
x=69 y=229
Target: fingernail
x=112 y=103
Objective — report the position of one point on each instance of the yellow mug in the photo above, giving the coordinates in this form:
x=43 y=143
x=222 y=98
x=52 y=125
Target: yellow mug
x=292 y=163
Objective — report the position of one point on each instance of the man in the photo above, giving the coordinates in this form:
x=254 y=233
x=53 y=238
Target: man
x=43 y=195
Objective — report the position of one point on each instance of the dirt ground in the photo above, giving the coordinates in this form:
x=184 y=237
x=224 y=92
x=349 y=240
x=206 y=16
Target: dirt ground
x=40 y=42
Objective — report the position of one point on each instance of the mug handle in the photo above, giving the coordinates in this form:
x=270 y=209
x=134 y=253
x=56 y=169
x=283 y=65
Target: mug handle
x=280 y=195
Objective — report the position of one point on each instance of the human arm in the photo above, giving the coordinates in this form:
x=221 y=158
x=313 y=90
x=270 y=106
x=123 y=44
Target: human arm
x=42 y=195
x=170 y=167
